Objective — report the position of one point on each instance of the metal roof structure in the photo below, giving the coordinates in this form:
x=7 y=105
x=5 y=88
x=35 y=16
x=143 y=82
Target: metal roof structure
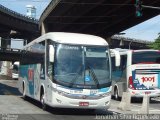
x=98 y=17
x=11 y=20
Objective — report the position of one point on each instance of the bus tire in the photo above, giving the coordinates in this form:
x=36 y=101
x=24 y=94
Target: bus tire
x=116 y=95
x=24 y=91
x=43 y=101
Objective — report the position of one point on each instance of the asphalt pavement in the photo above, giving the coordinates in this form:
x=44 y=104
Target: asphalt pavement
x=14 y=107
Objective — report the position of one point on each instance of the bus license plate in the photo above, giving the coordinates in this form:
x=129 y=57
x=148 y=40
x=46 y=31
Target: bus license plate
x=147 y=92
x=83 y=103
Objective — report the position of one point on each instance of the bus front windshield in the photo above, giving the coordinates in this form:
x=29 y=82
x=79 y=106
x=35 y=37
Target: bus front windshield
x=82 y=66
x=146 y=57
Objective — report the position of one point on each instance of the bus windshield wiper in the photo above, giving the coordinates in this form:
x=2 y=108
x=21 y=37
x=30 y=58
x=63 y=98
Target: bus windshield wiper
x=93 y=76
x=76 y=77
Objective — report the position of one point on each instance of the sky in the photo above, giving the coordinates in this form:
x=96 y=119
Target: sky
x=147 y=30
x=20 y=5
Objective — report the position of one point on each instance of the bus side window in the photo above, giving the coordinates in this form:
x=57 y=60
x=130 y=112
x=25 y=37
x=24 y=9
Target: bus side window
x=113 y=63
x=115 y=70
x=123 y=62
x=123 y=67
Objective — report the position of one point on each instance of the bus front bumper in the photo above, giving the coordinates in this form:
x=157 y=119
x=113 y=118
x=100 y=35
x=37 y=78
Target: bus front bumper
x=65 y=102
x=141 y=93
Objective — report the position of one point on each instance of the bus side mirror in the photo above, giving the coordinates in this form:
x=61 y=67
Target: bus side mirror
x=51 y=53
x=117 y=57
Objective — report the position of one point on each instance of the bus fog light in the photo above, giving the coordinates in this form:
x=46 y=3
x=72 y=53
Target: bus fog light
x=106 y=94
x=59 y=101
x=62 y=93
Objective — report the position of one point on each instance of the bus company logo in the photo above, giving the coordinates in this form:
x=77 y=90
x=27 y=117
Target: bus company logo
x=30 y=74
x=146 y=79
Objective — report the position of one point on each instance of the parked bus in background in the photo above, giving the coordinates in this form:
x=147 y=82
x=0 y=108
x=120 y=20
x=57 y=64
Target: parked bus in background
x=139 y=73
x=15 y=70
x=67 y=70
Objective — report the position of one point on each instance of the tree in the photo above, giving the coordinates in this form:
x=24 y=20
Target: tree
x=156 y=44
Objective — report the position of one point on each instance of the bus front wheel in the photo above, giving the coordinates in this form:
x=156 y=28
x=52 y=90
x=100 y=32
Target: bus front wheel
x=116 y=95
x=24 y=92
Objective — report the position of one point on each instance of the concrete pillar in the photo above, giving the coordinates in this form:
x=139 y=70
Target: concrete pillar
x=145 y=105
x=43 y=28
x=108 y=39
x=125 y=103
x=5 y=67
x=121 y=43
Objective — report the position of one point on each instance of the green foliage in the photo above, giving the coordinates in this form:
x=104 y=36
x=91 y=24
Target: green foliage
x=156 y=44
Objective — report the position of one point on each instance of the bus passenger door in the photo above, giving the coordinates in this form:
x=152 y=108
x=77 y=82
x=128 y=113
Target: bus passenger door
x=49 y=90
x=49 y=81
x=50 y=55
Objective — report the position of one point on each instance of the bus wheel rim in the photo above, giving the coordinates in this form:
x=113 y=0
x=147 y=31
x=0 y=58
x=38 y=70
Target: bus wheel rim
x=43 y=102
x=116 y=94
x=24 y=94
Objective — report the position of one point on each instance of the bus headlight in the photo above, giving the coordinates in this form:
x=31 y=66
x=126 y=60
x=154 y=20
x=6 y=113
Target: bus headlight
x=106 y=103
x=106 y=94
x=62 y=93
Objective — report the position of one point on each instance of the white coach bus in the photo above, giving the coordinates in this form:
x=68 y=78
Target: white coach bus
x=67 y=70
x=139 y=73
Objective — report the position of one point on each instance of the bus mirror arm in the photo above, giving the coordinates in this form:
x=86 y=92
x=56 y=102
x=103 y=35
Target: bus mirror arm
x=51 y=53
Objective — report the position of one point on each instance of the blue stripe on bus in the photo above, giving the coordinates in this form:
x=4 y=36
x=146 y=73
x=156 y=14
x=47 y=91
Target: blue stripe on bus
x=104 y=89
